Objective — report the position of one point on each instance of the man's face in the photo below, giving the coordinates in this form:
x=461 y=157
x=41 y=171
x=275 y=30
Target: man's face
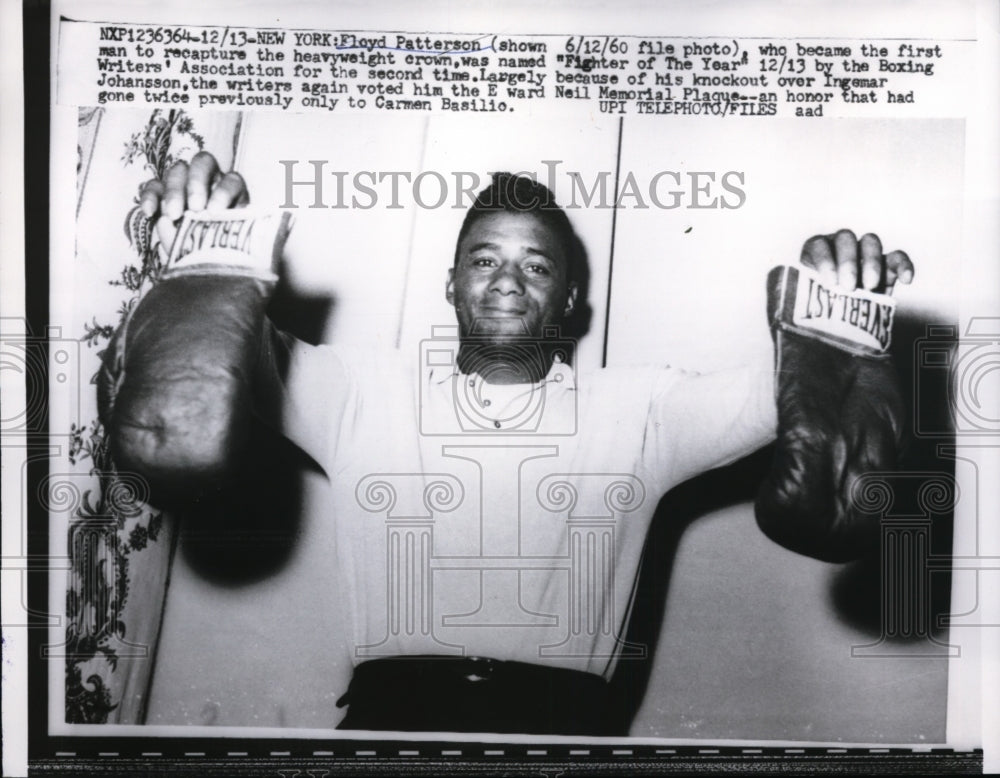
x=510 y=279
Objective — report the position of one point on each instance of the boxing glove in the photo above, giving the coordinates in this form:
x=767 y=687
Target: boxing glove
x=176 y=389
x=840 y=414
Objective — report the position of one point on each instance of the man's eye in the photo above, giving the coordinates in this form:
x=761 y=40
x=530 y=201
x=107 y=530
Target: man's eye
x=483 y=261
x=540 y=270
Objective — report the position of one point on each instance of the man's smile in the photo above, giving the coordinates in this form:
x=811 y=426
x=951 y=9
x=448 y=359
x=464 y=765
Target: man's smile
x=497 y=311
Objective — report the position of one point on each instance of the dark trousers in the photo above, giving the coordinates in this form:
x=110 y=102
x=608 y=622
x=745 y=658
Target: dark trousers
x=473 y=694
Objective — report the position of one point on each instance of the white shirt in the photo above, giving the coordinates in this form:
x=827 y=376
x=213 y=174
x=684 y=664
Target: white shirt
x=505 y=521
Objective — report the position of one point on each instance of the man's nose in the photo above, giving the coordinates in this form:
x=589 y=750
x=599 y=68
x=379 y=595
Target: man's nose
x=507 y=279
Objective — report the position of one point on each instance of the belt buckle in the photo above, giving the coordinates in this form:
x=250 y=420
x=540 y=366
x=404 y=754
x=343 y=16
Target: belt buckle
x=481 y=669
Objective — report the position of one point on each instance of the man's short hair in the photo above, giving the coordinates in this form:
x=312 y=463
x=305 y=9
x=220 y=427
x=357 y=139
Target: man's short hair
x=519 y=194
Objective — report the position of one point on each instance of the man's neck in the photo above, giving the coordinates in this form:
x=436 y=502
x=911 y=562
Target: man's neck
x=506 y=363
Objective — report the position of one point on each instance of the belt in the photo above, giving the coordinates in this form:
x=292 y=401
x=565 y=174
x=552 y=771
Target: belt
x=476 y=694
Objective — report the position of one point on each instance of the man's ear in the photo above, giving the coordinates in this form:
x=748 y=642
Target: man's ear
x=449 y=287
x=571 y=299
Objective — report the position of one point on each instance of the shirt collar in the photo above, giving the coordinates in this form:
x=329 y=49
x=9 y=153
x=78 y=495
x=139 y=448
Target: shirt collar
x=560 y=373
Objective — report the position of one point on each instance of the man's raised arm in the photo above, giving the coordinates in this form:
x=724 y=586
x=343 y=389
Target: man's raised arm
x=183 y=378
